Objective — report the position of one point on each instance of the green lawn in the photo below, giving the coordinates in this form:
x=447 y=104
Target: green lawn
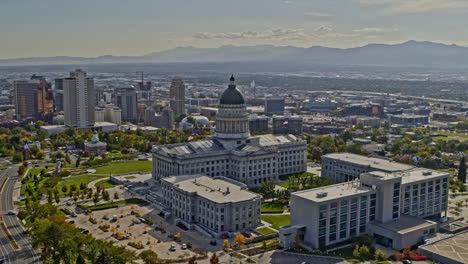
x=277 y=221
x=105 y=184
x=113 y=204
x=265 y=231
x=77 y=180
x=272 y=207
x=125 y=167
x=284 y=184
x=465 y=136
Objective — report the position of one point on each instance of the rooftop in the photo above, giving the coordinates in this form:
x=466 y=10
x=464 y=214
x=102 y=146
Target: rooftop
x=219 y=189
x=332 y=192
x=453 y=247
x=406 y=224
x=373 y=162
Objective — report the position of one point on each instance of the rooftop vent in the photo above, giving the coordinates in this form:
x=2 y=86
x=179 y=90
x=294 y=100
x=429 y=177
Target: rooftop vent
x=322 y=194
x=426 y=173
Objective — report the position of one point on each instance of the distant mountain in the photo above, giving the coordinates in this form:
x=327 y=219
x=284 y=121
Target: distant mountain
x=408 y=54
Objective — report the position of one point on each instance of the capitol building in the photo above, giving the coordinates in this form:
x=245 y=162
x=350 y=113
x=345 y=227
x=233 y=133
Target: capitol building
x=232 y=152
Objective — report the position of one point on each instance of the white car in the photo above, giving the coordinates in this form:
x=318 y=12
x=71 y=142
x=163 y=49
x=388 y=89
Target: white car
x=172 y=248
x=11 y=212
x=184 y=246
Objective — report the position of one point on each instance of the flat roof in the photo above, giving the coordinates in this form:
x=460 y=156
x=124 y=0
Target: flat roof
x=334 y=191
x=454 y=247
x=420 y=174
x=213 y=189
x=406 y=224
x=373 y=162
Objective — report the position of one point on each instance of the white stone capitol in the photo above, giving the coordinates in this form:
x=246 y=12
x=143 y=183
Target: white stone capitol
x=232 y=152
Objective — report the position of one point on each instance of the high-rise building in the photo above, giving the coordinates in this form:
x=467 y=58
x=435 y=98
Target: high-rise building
x=33 y=99
x=58 y=95
x=177 y=97
x=127 y=101
x=78 y=99
x=274 y=105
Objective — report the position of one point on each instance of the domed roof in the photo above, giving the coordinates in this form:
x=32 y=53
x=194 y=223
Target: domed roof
x=232 y=95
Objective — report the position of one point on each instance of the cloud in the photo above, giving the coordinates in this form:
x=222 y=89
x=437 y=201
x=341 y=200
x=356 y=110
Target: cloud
x=374 y=30
x=417 y=6
x=277 y=33
x=317 y=14
x=326 y=28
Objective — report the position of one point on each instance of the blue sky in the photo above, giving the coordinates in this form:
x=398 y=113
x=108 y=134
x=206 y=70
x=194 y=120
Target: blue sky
x=136 y=27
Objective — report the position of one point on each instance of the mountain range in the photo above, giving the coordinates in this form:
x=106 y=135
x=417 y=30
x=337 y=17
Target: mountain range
x=412 y=53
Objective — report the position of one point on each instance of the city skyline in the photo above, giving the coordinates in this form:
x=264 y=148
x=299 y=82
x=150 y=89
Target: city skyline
x=32 y=29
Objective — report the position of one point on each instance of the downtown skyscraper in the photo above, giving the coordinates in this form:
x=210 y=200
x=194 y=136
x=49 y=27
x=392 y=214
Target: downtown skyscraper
x=177 y=96
x=78 y=99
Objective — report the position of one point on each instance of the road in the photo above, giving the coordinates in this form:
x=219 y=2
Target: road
x=25 y=254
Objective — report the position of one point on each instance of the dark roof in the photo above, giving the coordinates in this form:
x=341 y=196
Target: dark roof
x=232 y=95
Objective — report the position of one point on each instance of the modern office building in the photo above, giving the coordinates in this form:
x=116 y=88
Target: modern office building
x=33 y=99
x=409 y=119
x=395 y=208
x=367 y=109
x=343 y=167
x=319 y=106
x=78 y=99
x=126 y=99
x=232 y=152
x=216 y=206
x=108 y=113
x=164 y=119
x=258 y=123
x=287 y=125
x=177 y=96
x=58 y=95
x=274 y=105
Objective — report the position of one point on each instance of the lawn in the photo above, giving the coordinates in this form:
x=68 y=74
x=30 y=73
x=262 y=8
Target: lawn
x=265 y=231
x=105 y=184
x=277 y=221
x=465 y=136
x=113 y=204
x=272 y=207
x=125 y=167
x=77 y=180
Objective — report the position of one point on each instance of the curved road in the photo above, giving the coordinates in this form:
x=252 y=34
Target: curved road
x=25 y=254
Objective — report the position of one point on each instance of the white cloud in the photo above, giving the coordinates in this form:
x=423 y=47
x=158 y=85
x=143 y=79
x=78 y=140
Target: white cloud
x=277 y=33
x=374 y=30
x=417 y=6
x=317 y=14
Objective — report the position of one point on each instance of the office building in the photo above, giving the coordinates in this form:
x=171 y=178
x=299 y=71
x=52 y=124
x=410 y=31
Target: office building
x=287 y=125
x=319 y=106
x=343 y=167
x=126 y=99
x=409 y=119
x=274 y=105
x=213 y=205
x=177 y=97
x=78 y=99
x=33 y=99
x=164 y=119
x=394 y=208
x=258 y=123
x=232 y=152
x=58 y=95
x=108 y=113
x=365 y=109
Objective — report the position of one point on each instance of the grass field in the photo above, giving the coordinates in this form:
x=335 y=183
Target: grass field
x=113 y=204
x=451 y=136
x=277 y=221
x=77 y=180
x=284 y=184
x=272 y=207
x=105 y=184
x=125 y=167
x=265 y=231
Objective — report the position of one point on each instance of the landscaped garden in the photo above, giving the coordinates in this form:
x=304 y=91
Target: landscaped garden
x=272 y=207
x=277 y=221
x=125 y=167
x=265 y=231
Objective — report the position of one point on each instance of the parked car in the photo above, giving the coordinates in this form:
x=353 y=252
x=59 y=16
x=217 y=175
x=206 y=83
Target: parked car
x=73 y=214
x=184 y=246
x=12 y=212
x=213 y=243
x=136 y=221
x=172 y=248
x=406 y=261
x=105 y=217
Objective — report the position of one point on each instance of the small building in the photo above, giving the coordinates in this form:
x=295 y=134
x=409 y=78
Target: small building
x=216 y=206
x=95 y=147
x=287 y=125
x=258 y=123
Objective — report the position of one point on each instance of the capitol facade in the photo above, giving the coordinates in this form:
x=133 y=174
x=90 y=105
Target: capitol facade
x=232 y=152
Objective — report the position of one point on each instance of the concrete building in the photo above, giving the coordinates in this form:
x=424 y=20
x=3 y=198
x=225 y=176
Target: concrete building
x=164 y=119
x=363 y=109
x=58 y=95
x=343 y=167
x=258 y=123
x=449 y=250
x=274 y=105
x=319 y=106
x=394 y=208
x=78 y=99
x=108 y=113
x=287 y=125
x=126 y=99
x=177 y=97
x=232 y=152
x=409 y=119
x=33 y=99
x=217 y=206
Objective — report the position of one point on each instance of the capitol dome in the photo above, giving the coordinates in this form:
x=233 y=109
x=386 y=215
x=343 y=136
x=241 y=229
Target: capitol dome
x=232 y=95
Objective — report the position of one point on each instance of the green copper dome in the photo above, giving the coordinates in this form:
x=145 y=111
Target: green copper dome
x=232 y=95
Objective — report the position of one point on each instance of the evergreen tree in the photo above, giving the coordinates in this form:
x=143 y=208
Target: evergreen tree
x=462 y=170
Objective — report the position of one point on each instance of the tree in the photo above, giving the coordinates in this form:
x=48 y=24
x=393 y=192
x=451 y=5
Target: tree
x=148 y=256
x=78 y=161
x=96 y=198
x=67 y=158
x=380 y=255
x=64 y=189
x=239 y=239
x=364 y=252
x=105 y=196
x=356 y=252
x=21 y=170
x=462 y=170
x=267 y=189
x=226 y=244
x=407 y=251
x=116 y=196
x=192 y=260
x=214 y=259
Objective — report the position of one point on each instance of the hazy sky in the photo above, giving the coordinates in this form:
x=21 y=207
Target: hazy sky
x=136 y=27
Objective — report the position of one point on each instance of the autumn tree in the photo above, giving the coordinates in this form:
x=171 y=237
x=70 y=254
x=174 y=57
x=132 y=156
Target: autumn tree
x=239 y=239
